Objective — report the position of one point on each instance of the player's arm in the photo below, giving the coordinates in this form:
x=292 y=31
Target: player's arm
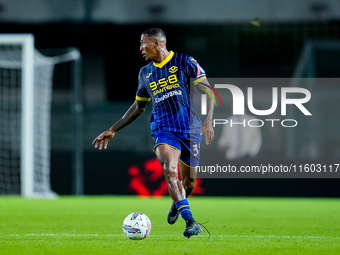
x=135 y=110
x=197 y=72
x=207 y=127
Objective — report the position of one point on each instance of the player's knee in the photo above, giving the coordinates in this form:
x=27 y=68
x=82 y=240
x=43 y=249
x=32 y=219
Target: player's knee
x=170 y=171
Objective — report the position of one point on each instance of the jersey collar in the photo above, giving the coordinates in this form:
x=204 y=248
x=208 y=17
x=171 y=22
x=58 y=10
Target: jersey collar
x=160 y=65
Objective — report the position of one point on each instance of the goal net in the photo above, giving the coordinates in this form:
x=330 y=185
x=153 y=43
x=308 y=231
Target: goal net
x=26 y=78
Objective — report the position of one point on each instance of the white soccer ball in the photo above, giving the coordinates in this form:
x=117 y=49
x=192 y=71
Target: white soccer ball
x=137 y=226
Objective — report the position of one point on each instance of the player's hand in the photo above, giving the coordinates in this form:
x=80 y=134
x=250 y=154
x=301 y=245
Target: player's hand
x=208 y=131
x=103 y=139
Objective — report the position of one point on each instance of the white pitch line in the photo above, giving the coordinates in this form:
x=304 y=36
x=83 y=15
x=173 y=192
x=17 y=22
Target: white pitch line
x=63 y=234
x=121 y=235
x=275 y=236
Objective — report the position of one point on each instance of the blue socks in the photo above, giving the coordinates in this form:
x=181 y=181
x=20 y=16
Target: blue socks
x=184 y=208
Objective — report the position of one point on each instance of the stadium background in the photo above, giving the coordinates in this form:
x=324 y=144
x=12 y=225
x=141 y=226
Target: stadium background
x=223 y=40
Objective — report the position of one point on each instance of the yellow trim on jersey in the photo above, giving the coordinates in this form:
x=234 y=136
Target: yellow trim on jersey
x=199 y=80
x=147 y=99
x=160 y=65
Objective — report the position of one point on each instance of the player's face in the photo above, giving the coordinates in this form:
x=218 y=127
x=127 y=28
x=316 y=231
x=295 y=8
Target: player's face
x=148 y=47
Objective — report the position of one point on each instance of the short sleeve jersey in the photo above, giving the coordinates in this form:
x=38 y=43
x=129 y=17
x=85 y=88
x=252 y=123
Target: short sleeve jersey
x=168 y=85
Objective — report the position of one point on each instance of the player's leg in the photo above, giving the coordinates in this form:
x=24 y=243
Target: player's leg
x=188 y=161
x=168 y=150
x=188 y=176
x=168 y=158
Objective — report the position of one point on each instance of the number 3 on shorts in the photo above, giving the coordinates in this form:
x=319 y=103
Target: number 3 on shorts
x=196 y=149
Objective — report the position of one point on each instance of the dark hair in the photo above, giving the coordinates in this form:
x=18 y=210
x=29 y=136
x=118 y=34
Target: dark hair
x=155 y=32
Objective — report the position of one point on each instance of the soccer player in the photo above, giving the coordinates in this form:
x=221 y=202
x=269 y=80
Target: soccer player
x=175 y=126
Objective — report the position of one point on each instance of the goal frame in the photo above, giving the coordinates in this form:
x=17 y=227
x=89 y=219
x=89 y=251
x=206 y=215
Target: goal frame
x=26 y=41
x=27 y=143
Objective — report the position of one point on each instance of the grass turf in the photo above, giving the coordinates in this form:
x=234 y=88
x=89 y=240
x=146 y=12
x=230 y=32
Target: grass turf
x=93 y=225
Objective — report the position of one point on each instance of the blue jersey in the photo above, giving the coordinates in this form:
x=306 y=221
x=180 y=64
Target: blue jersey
x=167 y=84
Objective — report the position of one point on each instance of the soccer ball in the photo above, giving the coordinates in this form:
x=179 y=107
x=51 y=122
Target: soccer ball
x=137 y=226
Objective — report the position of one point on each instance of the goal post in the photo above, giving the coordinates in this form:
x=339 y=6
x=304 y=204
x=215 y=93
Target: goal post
x=26 y=79
x=27 y=116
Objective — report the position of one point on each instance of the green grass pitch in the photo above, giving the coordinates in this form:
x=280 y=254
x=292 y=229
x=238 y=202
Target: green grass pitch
x=93 y=225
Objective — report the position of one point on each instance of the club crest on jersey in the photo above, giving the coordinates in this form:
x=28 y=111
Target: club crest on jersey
x=173 y=69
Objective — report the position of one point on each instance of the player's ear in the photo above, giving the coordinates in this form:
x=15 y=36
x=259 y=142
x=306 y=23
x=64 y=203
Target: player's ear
x=157 y=43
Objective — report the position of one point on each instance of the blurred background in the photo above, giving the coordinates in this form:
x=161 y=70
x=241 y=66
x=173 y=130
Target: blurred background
x=231 y=38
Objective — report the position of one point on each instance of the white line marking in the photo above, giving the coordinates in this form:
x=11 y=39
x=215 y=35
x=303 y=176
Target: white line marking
x=121 y=235
x=275 y=236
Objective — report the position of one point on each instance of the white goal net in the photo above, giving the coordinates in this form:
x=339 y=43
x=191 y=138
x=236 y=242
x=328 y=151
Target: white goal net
x=26 y=78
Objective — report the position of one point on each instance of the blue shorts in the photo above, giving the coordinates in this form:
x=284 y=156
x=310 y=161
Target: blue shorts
x=187 y=144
